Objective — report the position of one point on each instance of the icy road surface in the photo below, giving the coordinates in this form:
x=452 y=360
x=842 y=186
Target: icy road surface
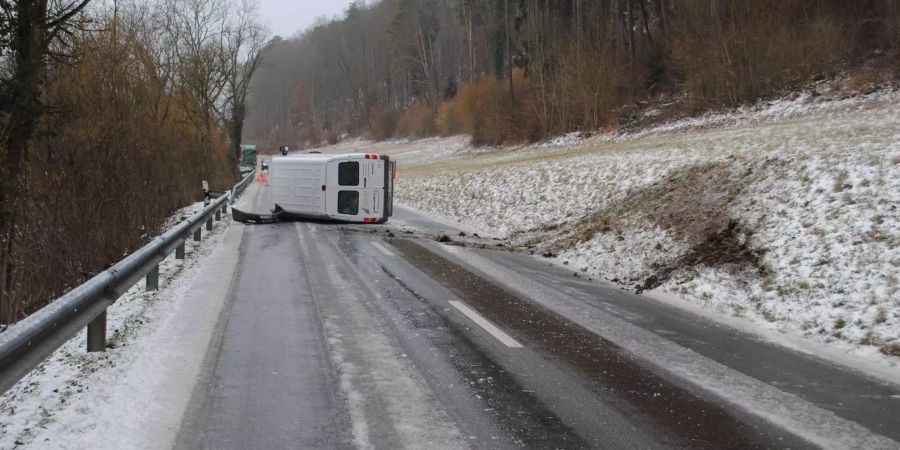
x=378 y=337
x=343 y=336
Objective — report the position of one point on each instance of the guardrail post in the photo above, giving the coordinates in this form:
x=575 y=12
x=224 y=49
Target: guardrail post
x=209 y=224
x=197 y=235
x=153 y=279
x=218 y=215
x=96 y=334
x=179 y=251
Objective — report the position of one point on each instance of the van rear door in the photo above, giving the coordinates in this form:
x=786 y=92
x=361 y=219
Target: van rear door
x=344 y=193
x=355 y=188
x=373 y=172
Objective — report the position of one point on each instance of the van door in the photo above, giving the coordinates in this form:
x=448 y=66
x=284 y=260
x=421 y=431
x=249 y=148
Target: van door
x=373 y=173
x=345 y=197
x=373 y=183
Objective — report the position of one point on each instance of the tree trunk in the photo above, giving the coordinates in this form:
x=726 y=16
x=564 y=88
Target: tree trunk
x=238 y=114
x=509 y=58
x=23 y=109
x=646 y=23
x=661 y=11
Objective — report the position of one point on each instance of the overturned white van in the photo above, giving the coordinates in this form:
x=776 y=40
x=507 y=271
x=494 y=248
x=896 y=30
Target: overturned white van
x=356 y=187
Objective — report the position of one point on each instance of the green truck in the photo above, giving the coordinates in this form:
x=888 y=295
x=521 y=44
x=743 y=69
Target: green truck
x=248 y=155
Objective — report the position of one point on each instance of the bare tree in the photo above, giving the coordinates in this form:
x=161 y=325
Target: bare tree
x=414 y=30
x=28 y=28
x=196 y=33
x=244 y=42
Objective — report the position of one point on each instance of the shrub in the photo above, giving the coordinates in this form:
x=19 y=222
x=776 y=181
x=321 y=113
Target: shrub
x=385 y=125
x=417 y=122
x=332 y=137
x=492 y=117
x=309 y=138
x=482 y=110
x=449 y=119
x=491 y=113
x=756 y=52
x=593 y=88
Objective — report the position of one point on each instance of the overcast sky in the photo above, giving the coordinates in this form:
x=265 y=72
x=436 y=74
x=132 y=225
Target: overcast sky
x=287 y=17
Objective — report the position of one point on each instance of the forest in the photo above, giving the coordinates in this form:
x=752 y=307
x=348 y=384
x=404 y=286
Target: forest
x=508 y=71
x=111 y=115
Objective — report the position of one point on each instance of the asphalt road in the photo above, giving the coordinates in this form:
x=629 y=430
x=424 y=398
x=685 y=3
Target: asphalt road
x=339 y=336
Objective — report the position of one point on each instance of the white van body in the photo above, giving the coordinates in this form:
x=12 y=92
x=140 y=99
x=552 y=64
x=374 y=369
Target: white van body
x=356 y=187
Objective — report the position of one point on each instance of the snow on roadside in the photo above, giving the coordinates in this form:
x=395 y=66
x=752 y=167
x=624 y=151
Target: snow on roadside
x=810 y=185
x=54 y=402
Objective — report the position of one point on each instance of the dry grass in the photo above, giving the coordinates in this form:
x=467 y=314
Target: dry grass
x=880 y=316
x=891 y=349
x=691 y=205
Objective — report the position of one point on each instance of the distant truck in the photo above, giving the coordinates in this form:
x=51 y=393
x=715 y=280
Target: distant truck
x=284 y=149
x=248 y=155
x=356 y=187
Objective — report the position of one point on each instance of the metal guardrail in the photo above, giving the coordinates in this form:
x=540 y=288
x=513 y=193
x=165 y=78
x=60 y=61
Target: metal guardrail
x=27 y=343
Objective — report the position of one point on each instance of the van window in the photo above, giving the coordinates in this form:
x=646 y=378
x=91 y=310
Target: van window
x=348 y=173
x=348 y=202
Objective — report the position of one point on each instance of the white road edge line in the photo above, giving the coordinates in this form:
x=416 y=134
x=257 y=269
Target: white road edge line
x=488 y=326
x=382 y=249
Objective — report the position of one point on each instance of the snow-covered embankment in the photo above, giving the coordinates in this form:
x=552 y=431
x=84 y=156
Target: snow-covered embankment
x=783 y=215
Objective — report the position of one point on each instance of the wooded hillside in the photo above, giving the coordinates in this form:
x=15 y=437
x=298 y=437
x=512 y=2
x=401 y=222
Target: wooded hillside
x=414 y=68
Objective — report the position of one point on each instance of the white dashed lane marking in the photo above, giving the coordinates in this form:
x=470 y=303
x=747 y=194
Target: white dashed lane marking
x=382 y=249
x=504 y=338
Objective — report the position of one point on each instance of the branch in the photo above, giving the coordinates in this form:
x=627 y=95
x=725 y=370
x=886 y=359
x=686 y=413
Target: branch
x=68 y=15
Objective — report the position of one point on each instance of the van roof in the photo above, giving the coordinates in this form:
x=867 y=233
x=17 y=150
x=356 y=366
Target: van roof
x=303 y=158
x=320 y=158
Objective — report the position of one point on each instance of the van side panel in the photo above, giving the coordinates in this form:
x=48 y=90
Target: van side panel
x=297 y=187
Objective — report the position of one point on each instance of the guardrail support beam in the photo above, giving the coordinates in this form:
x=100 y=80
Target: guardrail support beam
x=96 y=334
x=197 y=235
x=218 y=215
x=153 y=279
x=179 y=251
x=209 y=224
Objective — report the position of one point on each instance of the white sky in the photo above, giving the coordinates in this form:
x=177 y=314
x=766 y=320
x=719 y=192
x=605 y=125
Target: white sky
x=287 y=17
